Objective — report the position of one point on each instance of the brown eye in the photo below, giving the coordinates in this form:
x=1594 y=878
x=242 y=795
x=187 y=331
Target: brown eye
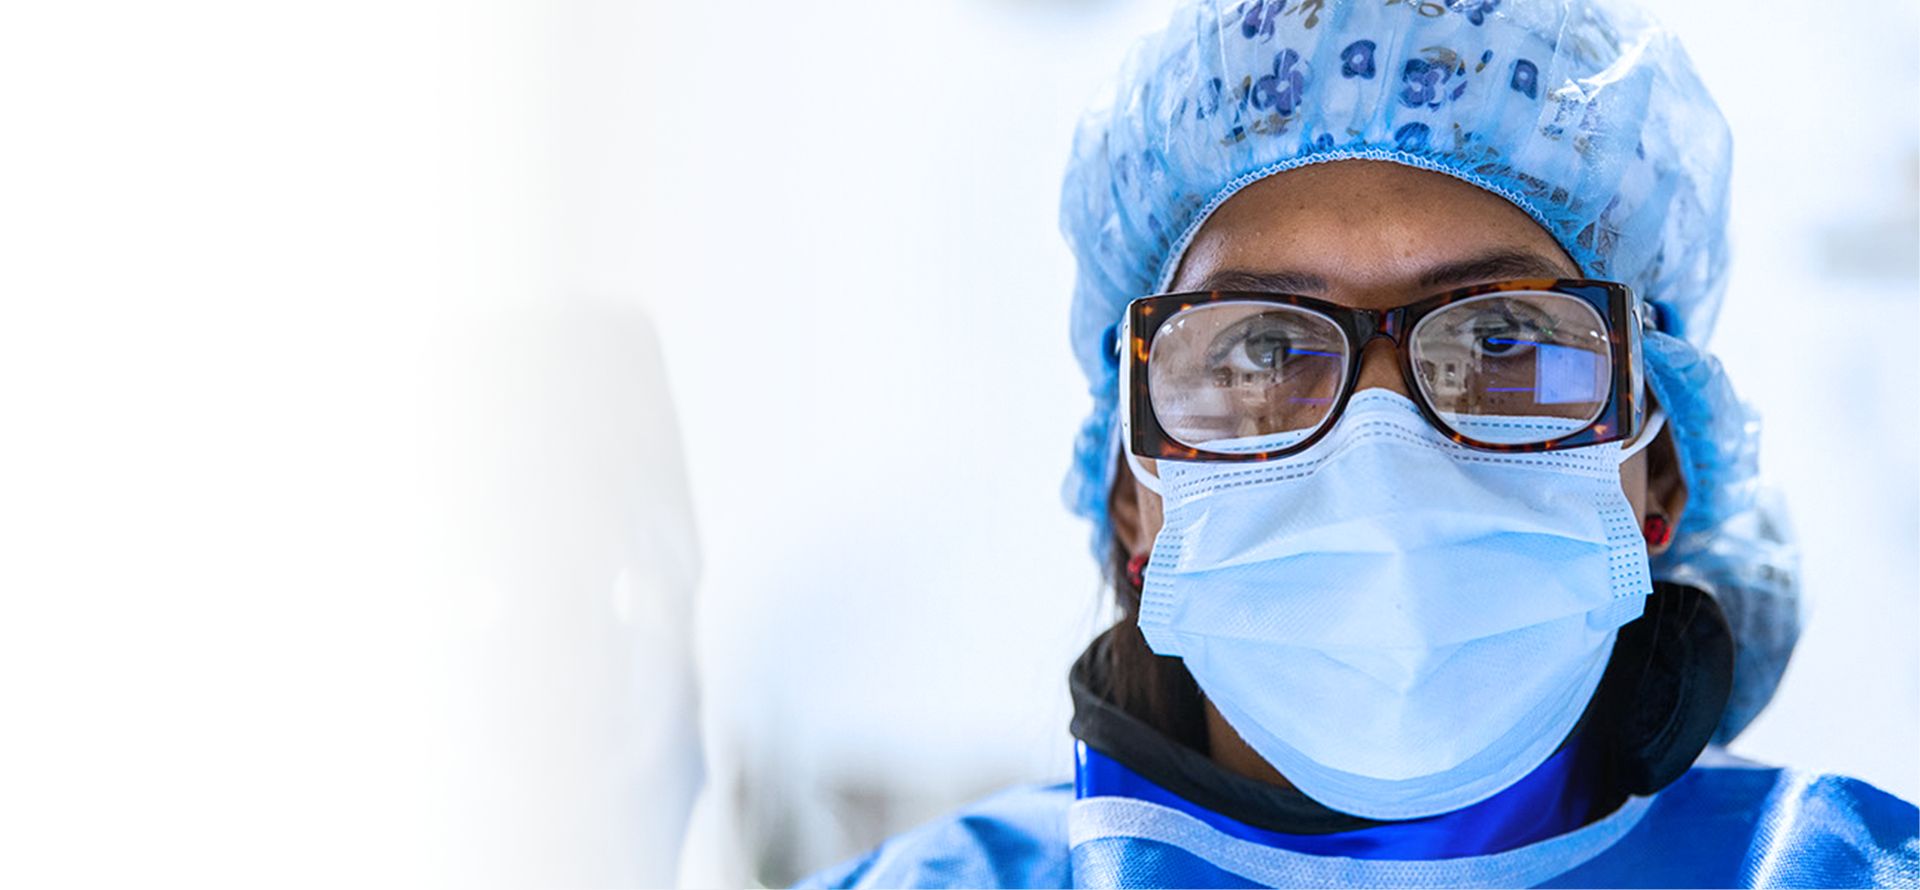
x=1267 y=349
x=1501 y=342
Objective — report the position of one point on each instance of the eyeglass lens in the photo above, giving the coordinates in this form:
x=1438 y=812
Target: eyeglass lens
x=1515 y=367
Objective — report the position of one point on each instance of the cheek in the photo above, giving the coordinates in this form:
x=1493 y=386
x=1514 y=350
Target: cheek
x=1633 y=481
x=1151 y=518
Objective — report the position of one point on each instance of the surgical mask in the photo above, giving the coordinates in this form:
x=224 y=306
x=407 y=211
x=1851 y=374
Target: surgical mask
x=1402 y=626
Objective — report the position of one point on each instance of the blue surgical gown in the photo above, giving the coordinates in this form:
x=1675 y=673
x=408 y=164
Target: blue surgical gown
x=1717 y=826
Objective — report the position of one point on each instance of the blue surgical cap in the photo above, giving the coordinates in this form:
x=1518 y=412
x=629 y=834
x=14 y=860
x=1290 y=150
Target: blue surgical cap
x=1585 y=115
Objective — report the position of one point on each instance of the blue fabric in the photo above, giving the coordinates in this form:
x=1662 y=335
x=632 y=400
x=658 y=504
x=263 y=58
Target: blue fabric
x=1136 y=862
x=1715 y=827
x=1585 y=114
x=1549 y=801
x=1017 y=838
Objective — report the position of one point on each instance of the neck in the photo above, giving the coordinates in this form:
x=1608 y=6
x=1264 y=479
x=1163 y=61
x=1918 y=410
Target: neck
x=1226 y=748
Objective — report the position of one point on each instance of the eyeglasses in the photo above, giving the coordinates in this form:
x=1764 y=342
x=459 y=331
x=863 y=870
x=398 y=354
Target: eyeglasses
x=1513 y=366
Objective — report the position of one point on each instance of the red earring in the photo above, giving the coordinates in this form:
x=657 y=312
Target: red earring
x=1137 y=570
x=1657 y=531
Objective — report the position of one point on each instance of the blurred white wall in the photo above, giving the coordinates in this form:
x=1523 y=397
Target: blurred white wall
x=862 y=295
x=344 y=539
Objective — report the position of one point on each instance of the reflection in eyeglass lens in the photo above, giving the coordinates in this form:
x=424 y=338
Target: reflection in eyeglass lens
x=1514 y=367
x=1241 y=371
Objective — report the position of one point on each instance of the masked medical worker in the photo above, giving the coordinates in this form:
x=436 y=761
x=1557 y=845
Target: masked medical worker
x=1434 y=530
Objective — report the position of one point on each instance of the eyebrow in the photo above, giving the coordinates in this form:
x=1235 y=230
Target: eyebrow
x=1492 y=266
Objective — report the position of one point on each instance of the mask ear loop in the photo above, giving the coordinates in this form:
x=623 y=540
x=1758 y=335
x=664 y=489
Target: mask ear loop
x=1147 y=480
x=1652 y=432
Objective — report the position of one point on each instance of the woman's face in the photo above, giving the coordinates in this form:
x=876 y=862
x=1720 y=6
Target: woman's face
x=1373 y=235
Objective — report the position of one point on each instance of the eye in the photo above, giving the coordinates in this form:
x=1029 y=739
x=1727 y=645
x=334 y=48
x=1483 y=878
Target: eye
x=1267 y=349
x=1262 y=344
x=1499 y=343
x=1505 y=330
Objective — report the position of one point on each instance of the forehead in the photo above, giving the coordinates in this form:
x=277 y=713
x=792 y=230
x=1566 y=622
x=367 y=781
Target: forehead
x=1365 y=233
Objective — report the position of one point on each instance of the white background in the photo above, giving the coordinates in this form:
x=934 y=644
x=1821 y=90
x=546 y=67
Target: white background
x=407 y=402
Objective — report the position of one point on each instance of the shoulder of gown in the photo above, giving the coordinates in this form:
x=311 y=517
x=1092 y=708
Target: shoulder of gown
x=1743 y=825
x=1016 y=838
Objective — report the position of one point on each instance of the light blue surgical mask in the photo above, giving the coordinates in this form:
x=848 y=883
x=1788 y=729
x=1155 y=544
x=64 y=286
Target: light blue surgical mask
x=1401 y=625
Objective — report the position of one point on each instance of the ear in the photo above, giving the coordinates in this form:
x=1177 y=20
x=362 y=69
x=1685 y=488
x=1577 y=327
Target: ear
x=1666 y=485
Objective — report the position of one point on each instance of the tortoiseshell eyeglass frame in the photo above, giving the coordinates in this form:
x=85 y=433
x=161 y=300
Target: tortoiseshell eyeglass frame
x=1619 y=420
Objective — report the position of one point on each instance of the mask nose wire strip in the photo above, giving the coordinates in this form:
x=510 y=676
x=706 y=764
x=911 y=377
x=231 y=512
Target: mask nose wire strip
x=1151 y=482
